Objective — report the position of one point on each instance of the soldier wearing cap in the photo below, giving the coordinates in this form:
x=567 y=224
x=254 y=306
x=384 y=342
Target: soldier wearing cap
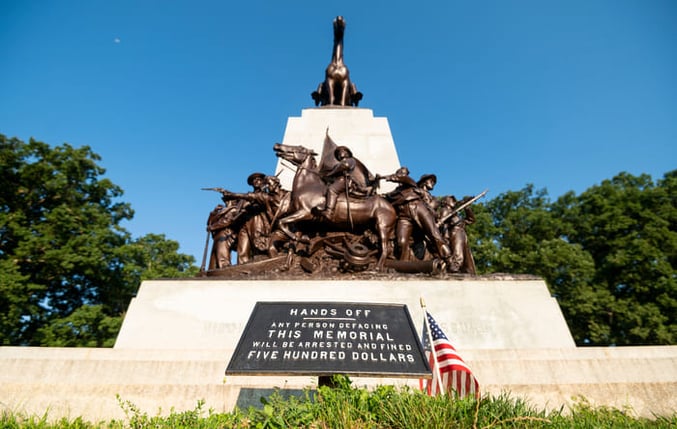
x=453 y=230
x=264 y=205
x=223 y=224
x=252 y=238
x=413 y=211
x=426 y=184
x=256 y=181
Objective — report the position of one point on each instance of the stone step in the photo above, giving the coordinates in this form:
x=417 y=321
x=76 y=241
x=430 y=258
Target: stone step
x=500 y=367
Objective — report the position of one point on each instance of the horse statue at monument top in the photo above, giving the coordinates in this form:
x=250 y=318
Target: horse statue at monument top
x=337 y=89
x=308 y=193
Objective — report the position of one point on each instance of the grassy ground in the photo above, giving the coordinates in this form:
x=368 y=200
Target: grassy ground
x=347 y=407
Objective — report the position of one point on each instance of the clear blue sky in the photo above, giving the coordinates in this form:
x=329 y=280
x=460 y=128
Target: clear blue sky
x=179 y=95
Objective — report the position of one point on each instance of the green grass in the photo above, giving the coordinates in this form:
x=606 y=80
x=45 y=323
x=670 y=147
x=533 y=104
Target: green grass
x=347 y=407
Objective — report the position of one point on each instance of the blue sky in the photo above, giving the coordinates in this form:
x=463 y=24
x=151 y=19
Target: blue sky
x=497 y=94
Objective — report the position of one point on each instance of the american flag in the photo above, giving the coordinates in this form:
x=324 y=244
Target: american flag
x=453 y=372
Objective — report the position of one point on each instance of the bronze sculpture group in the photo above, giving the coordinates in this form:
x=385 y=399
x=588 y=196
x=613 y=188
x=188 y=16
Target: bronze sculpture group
x=333 y=218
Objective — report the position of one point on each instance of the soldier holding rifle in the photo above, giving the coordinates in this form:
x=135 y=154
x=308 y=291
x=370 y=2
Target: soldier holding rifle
x=452 y=226
x=263 y=203
x=223 y=226
x=409 y=201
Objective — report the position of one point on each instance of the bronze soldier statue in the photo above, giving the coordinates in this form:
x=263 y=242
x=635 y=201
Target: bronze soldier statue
x=276 y=195
x=265 y=205
x=252 y=238
x=349 y=177
x=413 y=211
x=222 y=225
x=452 y=226
x=426 y=184
x=277 y=204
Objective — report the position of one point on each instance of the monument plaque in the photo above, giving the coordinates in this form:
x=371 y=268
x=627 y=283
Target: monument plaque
x=324 y=338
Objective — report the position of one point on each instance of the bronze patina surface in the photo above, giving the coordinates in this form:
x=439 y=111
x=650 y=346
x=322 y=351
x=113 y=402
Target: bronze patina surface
x=337 y=88
x=334 y=221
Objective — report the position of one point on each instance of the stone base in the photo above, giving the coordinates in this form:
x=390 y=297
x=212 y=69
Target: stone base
x=474 y=313
x=85 y=382
x=178 y=337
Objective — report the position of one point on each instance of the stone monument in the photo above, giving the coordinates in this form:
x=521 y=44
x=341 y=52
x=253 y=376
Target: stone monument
x=339 y=221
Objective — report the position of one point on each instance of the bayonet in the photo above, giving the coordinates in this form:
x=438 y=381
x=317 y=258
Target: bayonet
x=460 y=207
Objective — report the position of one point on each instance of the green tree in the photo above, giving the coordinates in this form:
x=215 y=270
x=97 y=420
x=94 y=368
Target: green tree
x=627 y=225
x=87 y=326
x=65 y=260
x=608 y=255
x=518 y=232
x=153 y=256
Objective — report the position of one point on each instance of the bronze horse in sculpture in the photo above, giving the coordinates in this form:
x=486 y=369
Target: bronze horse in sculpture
x=308 y=193
x=337 y=89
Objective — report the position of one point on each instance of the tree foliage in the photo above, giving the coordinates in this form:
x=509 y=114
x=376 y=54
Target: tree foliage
x=608 y=254
x=68 y=267
x=627 y=224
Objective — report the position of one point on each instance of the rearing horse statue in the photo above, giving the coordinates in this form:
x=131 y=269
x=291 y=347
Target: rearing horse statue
x=337 y=89
x=308 y=193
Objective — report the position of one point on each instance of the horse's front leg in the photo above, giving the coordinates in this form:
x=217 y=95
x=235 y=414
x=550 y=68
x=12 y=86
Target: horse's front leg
x=385 y=251
x=286 y=221
x=285 y=228
x=385 y=226
x=284 y=225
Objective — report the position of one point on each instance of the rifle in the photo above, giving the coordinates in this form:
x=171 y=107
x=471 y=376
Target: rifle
x=461 y=207
x=226 y=194
x=219 y=190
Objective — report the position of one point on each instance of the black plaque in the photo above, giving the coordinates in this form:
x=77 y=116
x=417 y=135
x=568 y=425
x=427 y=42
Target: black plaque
x=324 y=338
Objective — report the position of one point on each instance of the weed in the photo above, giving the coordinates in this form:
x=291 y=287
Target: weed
x=342 y=406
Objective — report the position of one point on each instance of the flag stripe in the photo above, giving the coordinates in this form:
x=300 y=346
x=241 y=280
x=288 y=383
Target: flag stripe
x=454 y=374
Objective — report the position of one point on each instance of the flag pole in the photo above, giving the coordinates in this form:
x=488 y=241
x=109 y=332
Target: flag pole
x=432 y=347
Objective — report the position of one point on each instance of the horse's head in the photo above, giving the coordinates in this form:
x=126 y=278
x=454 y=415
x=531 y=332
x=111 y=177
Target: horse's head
x=297 y=155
